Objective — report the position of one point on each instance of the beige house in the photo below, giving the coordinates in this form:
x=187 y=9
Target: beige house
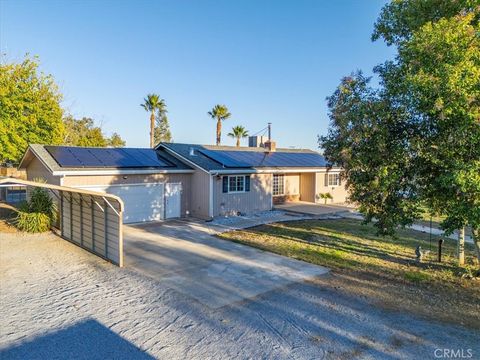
x=180 y=180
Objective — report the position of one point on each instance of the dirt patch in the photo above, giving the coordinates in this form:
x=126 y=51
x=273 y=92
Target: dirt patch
x=7 y=214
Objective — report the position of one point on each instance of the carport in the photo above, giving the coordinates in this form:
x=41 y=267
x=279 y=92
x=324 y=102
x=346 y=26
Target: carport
x=88 y=219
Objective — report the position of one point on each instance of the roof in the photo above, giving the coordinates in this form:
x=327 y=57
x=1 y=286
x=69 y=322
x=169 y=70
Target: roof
x=71 y=158
x=15 y=181
x=221 y=158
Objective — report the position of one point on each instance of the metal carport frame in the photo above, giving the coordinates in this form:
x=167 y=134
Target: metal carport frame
x=89 y=219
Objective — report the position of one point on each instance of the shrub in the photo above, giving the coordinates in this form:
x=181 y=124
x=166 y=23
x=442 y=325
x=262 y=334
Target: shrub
x=41 y=202
x=325 y=196
x=33 y=222
x=37 y=214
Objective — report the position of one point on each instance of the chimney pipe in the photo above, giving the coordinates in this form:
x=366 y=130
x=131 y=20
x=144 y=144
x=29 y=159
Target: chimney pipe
x=269 y=131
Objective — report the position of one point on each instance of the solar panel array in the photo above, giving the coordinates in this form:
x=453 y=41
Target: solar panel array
x=245 y=159
x=78 y=157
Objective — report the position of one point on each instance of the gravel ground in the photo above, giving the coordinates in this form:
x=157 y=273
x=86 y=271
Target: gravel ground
x=59 y=302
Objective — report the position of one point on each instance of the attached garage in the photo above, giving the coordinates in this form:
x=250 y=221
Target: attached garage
x=153 y=185
x=146 y=201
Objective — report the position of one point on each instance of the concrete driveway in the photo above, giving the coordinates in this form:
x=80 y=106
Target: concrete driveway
x=186 y=256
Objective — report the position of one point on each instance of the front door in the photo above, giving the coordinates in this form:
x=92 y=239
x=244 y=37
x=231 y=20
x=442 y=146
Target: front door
x=173 y=196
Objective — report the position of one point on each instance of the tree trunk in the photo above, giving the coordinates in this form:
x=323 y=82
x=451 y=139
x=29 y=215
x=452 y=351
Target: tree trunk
x=461 y=246
x=219 y=131
x=152 y=129
x=238 y=142
x=476 y=241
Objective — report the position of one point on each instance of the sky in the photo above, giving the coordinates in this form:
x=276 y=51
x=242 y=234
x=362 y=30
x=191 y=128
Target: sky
x=266 y=60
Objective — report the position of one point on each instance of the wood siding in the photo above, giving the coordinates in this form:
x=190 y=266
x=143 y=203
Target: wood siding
x=36 y=169
x=259 y=198
x=89 y=222
x=184 y=179
x=200 y=194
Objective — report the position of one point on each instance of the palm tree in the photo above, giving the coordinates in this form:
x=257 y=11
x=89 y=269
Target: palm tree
x=153 y=103
x=220 y=113
x=238 y=132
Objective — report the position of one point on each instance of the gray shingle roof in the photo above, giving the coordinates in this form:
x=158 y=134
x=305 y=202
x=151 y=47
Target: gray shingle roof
x=207 y=163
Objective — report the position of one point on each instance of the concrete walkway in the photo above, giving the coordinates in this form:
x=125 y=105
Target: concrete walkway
x=307 y=208
x=186 y=257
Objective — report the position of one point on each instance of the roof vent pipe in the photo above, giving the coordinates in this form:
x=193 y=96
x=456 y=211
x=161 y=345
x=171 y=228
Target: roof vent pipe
x=192 y=151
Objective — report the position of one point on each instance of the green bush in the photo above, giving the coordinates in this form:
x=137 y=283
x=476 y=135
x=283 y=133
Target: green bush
x=33 y=222
x=37 y=214
x=41 y=202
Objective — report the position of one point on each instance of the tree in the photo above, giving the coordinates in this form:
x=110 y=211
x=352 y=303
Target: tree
x=115 y=141
x=431 y=95
x=153 y=104
x=162 y=129
x=83 y=132
x=30 y=111
x=220 y=113
x=238 y=132
x=368 y=138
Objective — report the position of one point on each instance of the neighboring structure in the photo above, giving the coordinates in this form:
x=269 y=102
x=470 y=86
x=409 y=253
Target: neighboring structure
x=178 y=180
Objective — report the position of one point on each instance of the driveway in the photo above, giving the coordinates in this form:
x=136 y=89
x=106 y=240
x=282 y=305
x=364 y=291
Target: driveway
x=59 y=301
x=187 y=257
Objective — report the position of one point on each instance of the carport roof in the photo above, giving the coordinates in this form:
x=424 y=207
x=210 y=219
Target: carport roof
x=14 y=181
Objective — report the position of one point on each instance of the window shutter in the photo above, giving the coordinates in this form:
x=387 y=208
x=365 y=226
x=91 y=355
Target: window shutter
x=326 y=179
x=339 y=180
x=247 y=183
x=225 y=184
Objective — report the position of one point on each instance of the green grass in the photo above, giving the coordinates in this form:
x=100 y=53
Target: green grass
x=382 y=269
x=348 y=244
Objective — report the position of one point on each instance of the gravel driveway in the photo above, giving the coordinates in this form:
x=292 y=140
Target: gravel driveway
x=58 y=301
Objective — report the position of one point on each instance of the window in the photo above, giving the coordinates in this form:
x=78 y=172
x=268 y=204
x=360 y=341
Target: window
x=278 y=184
x=236 y=183
x=332 y=179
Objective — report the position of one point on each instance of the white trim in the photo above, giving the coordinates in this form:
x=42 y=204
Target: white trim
x=174 y=153
x=228 y=182
x=117 y=172
x=272 y=171
x=284 y=185
x=210 y=197
x=111 y=185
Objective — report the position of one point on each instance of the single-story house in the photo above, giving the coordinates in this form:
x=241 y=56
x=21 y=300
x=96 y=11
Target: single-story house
x=180 y=180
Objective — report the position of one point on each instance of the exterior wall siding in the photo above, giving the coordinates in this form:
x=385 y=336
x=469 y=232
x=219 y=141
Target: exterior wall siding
x=200 y=194
x=259 y=198
x=37 y=170
x=339 y=193
x=184 y=179
x=292 y=184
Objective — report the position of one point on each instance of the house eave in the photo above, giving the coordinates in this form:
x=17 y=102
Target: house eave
x=118 y=172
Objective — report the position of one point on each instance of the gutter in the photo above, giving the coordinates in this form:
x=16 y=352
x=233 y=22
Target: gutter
x=118 y=172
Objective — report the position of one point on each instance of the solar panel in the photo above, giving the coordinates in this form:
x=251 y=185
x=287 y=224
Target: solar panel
x=80 y=157
x=242 y=159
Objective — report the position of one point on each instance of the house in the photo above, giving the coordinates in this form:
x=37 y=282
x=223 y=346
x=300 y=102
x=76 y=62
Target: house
x=180 y=180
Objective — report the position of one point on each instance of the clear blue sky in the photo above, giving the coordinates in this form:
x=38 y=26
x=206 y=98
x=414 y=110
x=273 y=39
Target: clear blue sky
x=268 y=61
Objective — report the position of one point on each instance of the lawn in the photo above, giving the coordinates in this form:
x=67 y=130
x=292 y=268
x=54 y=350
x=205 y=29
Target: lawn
x=380 y=268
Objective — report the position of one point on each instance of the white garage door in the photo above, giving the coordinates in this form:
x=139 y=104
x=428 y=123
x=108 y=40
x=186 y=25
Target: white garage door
x=143 y=202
